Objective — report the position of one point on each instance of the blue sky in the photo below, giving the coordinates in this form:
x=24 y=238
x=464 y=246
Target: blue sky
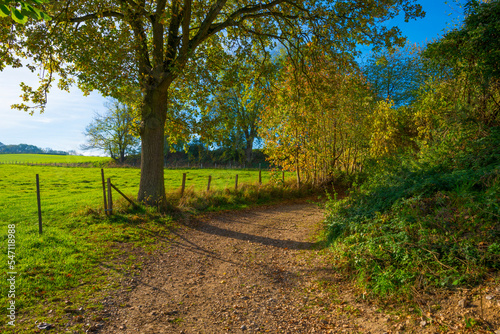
x=62 y=125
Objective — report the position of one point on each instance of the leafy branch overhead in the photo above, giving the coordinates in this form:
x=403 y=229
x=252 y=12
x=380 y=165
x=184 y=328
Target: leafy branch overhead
x=20 y=11
x=151 y=42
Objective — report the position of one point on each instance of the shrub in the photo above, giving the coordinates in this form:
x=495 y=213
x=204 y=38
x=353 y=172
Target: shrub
x=420 y=224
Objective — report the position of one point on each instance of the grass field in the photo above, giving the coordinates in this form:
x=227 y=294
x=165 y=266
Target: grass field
x=76 y=236
x=47 y=158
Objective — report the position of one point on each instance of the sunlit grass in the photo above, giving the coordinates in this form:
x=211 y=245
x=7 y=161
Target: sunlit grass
x=47 y=158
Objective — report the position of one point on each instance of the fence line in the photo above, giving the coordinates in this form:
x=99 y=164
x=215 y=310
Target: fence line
x=137 y=165
x=39 y=204
x=109 y=209
x=108 y=199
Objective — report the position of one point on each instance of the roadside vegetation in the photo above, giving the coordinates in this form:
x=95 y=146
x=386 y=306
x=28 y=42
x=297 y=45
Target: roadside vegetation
x=425 y=212
x=415 y=225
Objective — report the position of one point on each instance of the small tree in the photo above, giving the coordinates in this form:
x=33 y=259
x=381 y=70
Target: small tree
x=235 y=104
x=114 y=132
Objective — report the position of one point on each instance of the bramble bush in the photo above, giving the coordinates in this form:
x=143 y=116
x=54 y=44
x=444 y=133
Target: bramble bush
x=418 y=224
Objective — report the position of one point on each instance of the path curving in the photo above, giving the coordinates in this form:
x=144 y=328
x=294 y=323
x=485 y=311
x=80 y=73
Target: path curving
x=254 y=271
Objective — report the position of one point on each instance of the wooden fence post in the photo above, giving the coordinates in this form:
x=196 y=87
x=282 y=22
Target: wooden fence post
x=209 y=180
x=236 y=183
x=104 y=192
x=39 y=204
x=183 y=184
x=260 y=176
x=110 y=199
x=283 y=176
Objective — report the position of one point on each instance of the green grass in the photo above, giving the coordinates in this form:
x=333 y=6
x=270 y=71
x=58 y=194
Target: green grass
x=66 y=261
x=47 y=158
x=69 y=254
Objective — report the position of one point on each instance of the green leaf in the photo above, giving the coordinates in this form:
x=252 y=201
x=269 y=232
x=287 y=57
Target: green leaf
x=45 y=16
x=4 y=11
x=31 y=12
x=18 y=17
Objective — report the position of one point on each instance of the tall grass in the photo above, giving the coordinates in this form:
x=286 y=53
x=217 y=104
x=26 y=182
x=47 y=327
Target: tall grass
x=245 y=196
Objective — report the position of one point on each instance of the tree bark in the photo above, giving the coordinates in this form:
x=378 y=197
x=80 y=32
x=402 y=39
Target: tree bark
x=152 y=185
x=249 y=151
x=122 y=153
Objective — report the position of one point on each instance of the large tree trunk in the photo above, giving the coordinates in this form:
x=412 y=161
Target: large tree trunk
x=152 y=186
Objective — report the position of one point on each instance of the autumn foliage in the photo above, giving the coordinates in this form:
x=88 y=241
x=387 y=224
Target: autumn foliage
x=316 y=120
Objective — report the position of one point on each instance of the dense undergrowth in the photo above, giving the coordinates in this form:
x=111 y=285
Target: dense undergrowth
x=417 y=224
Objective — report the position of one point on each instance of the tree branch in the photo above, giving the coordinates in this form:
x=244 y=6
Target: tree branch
x=96 y=16
x=142 y=53
x=203 y=32
x=172 y=39
x=158 y=35
x=186 y=19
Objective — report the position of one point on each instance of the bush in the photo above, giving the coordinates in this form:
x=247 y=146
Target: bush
x=422 y=224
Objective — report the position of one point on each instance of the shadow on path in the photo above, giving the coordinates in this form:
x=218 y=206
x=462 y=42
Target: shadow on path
x=267 y=241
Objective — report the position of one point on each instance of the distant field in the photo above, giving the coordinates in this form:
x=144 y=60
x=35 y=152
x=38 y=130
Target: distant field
x=47 y=158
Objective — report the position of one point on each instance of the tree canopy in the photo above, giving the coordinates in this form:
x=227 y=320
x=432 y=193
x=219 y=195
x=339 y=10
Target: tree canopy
x=231 y=112
x=104 y=45
x=395 y=74
x=472 y=54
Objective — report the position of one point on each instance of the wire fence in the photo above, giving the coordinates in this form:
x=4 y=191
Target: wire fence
x=177 y=165
x=108 y=187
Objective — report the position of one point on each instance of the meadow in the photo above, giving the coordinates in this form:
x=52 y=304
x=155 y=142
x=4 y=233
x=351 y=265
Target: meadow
x=48 y=158
x=77 y=237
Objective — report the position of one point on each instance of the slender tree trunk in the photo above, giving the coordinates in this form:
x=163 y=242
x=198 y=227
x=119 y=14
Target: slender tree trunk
x=152 y=186
x=249 y=150
x=297 y=168
x=122 y=153
x=112 y=154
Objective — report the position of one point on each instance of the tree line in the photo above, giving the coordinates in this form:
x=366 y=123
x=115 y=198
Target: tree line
x=29 y=149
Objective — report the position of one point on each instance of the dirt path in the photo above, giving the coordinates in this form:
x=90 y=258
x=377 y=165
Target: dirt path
x=256 y=271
